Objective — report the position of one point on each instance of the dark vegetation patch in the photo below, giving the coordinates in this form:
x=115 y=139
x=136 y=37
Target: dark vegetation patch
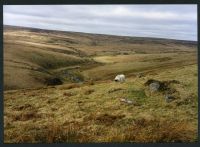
x=60 y=40
x=164 y=85
x=90 y=82
x=73 y=75
x=163 y=59
x=10 y=87
x=195 y=74
x=79 y=52
x=53 y=81
x=68 y=52
x=23 y=107
x=140 y=52
x=68 y=94
x=107 y=119
x=49 y=61
x=70 y=86
x=27 y=115
x=191 y=99
x=89 y=91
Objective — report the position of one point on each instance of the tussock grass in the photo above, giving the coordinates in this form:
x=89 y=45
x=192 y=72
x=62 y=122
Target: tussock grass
x=88 y=91
x=92 y=111
x=157 y=131
x=71 y=113
x=69 y=86
x=140 y=131
x=26 y=116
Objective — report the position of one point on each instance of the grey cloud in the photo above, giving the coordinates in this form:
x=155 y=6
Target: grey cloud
x=168 y=21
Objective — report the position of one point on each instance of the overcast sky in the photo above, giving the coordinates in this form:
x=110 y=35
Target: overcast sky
x=163 y=21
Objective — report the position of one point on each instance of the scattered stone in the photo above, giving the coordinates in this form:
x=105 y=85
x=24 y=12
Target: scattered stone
x=123 y=100
x=163 y=85
x=147 y=83
x=129 y=102
x=158 y=86
x=154 y=86
x=164 y=88
x=169 y=98
x=126 y=101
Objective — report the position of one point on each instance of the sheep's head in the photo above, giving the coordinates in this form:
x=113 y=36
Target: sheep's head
x=116 y=80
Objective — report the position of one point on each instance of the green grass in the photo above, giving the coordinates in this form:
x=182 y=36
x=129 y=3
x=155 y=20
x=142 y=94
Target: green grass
x=138 y=95
x=49 y=61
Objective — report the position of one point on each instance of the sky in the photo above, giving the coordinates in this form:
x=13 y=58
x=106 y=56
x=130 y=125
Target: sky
x=160 y=21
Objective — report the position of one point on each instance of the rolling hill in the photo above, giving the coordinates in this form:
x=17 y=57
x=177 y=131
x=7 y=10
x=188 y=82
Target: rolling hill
x=59 y=88
x=35 y=57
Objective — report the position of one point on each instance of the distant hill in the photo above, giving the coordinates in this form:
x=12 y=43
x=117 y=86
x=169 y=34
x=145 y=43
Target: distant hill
x=36 y=57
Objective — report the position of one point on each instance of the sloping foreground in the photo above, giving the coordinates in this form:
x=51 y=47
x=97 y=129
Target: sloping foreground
x=93 y=112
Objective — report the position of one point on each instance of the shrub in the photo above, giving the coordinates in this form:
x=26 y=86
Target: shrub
x=53 y=81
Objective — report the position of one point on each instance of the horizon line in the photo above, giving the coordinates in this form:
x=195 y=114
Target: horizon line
x=101 y=33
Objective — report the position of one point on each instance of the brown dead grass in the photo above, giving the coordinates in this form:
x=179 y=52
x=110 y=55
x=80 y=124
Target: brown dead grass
x=104 y=119
x=140 y=131
x=23 y=107
x=108 y=119
x=160 y=131
x=89 y=91
x=68 y=94
x=92 y=113
x=69 y=86
x=24 y=116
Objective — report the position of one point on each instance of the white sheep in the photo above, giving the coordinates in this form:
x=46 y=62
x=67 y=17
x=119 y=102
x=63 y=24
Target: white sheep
x=120 y=78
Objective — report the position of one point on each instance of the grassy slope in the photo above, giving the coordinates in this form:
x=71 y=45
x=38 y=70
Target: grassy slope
x=32 y=56
x=131 y=64
x=94 y=113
